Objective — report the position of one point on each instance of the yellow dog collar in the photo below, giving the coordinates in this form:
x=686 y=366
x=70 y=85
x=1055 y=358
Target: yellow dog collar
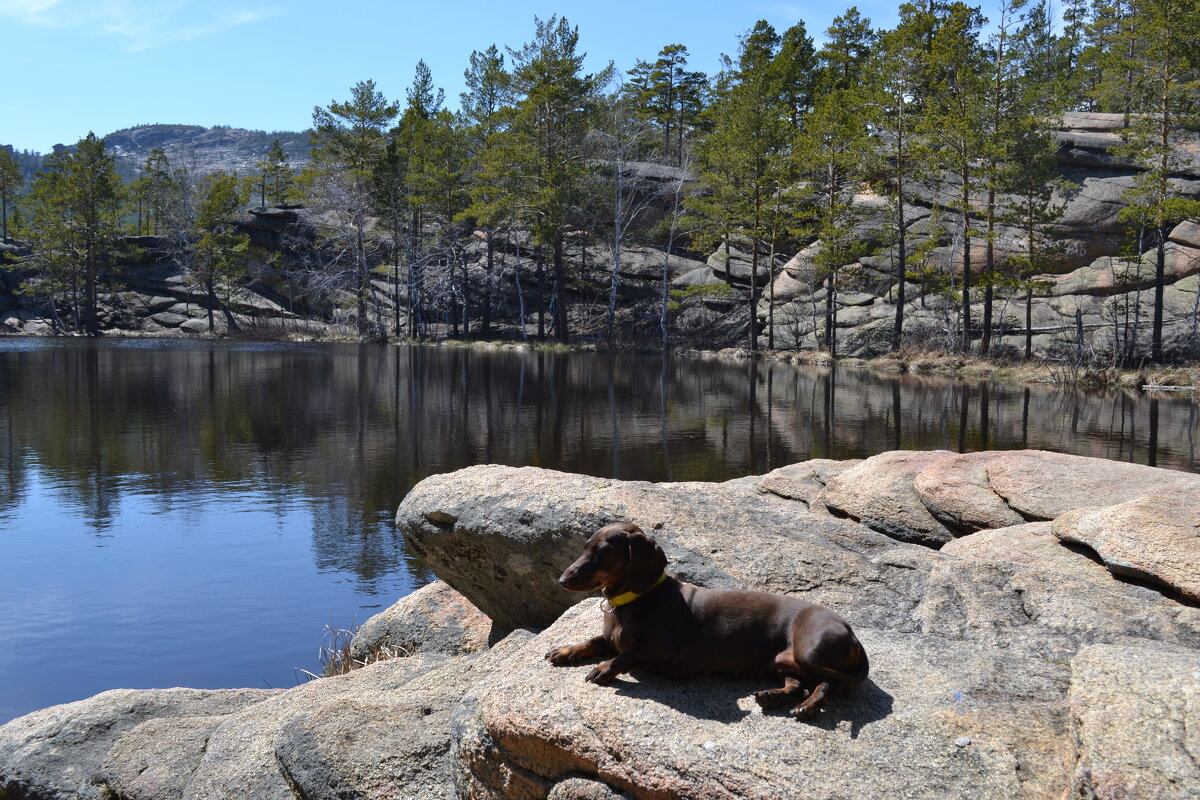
x=629 y=597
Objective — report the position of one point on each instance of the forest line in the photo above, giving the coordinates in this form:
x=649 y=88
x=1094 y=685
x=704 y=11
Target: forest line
x=409 y=204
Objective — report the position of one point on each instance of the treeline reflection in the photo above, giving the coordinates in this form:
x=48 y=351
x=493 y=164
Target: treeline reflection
x=352 y=428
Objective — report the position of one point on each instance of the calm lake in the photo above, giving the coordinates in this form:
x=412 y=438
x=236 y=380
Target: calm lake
x=178 y=513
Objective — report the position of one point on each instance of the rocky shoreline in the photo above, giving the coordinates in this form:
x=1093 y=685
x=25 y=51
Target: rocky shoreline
x=1033 y=622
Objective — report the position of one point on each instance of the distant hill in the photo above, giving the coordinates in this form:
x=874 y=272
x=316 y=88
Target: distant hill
x=202 y=149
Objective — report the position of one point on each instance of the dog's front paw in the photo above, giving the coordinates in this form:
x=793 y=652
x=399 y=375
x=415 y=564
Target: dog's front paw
x=601 y=674
x=561 y=656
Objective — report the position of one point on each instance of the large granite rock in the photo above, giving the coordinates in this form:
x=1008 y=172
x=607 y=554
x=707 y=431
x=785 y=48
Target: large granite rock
x=433 y=619
x=1008 y=664
x=1135 y=711
x=381 y=731
x=62 y=751
x=880 y=493
x=505 y=553
x=1040 y=485
x=1155 y=538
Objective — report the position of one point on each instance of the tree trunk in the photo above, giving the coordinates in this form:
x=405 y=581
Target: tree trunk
x=541 y=293
x=988 y=271
x=560 y=293
x=1160 y=270
x=966 y=264
x=901 y=259
x=487 y=284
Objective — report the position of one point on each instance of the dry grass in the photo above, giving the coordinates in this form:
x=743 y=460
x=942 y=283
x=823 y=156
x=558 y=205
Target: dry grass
x=336 y=658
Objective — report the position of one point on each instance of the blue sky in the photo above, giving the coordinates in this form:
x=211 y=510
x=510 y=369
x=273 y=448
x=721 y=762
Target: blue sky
x=71 y=66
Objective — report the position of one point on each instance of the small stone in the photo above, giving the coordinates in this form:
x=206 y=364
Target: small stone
x=963 y=741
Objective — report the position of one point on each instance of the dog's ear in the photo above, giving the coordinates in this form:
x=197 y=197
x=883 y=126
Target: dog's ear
x=646 y=560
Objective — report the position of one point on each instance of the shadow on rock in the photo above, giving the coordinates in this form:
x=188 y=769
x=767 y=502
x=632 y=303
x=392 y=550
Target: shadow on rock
x=707 y=698
x=864 y=704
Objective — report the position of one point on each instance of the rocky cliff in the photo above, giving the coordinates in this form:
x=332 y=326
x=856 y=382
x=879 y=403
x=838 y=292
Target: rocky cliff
x=1096 y=273
x=1032 y=619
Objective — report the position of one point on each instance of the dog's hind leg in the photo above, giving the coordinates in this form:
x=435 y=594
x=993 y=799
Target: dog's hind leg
x=789 y=693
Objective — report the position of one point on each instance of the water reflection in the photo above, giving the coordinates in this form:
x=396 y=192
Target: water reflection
x=353 y=428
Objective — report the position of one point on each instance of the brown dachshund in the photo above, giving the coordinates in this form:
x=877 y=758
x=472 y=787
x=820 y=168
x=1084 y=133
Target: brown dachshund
x=668 y=627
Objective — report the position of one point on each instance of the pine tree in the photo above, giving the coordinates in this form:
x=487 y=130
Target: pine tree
x=1003 y=109
x=11 y=180
x=349 y=139
x=556 y=104
x=486 y=109
x=275 y=176
x=842 y=59
x=952 y=124
x=743 y=161
x=78 y=197
x=895 y=81
x=670 y=95
x=1166 y=62
x=795 y=67
x=834 y=150
x=219 y=252
x=413 y=136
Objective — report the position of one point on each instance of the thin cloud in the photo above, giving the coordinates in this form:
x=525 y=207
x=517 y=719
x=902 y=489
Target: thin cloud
x=140 y=24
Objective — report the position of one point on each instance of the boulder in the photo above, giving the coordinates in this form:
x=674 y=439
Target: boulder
x=168 y=319
x=433 y=619
x=62 y=751
x=805 y=481
x=879 y=493
x=1135 y=711
x=501 y=536
x=1154 y=538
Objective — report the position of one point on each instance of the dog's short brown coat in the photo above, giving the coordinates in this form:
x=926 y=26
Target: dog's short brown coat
x=680 y=630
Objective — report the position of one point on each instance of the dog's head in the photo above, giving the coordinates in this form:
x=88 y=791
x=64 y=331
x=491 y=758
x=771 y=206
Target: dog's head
x=618 y=556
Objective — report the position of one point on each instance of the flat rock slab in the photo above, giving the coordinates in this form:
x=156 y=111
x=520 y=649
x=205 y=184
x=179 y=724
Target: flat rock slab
x=433 y=619
x=1032 y=544
x=1155 y=538
x=936 y=719
x=1136 y=709
x=1040 y=485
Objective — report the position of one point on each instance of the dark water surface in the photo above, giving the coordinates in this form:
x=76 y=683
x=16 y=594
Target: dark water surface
x=193 y=514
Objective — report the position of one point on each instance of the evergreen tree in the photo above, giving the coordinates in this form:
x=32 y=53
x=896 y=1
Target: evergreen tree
x=486 y=110
x=219 y=252
x=1003 y=109
x=743 y=161
x=953 y=124
x=349 y=139
x=795 y=68
x=275 y=176
x=11 y=180
x=670 y=95
x=556 y=104
x=77 y=199
x=895 y=80
x=842 y=59
x=834 y=150
x=1167 y=88
x=414 y=135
